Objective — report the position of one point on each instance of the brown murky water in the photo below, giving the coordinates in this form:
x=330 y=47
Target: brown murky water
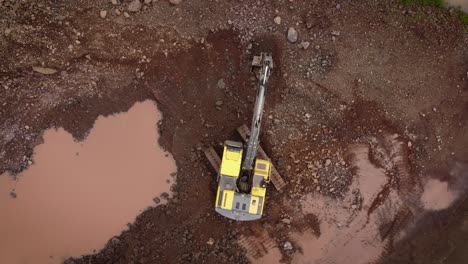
x=437 y=195
x=77 y=195
x=347 y=234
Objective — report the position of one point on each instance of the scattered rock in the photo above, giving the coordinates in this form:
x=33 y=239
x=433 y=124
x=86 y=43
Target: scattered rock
x=148 y=2
x=221 y=84
x=335 y=33
x=127 y=15
x=156 y=200
x=286 y=221
x=210 y=241
x=103 y=13
x=175 y=2
x=277 y=20
x=410 y=144
x=305 y=44
x=328 y=162
x=134 y=6
x=114 y=2
x=165 y=195
x=292 y=35
x=287 y=245
x=44 y=70
x=117 y=12
x=219 y=103
x=331 y=189
x=13 y=195
x=354 y=206
x=7 y=31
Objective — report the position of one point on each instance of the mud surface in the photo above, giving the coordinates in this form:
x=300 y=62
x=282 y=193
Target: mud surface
x=367 y=107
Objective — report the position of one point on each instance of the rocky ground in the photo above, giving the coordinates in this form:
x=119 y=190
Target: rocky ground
x=350 y=77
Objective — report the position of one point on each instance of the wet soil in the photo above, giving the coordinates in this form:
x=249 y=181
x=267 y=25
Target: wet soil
x=390 y=79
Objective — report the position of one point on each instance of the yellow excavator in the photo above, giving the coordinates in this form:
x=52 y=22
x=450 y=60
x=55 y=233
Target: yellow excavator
x=242 y=177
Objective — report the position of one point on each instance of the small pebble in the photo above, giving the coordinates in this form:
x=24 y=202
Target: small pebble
x=305 y=44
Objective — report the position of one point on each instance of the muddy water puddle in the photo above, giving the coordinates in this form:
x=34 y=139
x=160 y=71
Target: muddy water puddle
x=347 y=230
x=78 y=195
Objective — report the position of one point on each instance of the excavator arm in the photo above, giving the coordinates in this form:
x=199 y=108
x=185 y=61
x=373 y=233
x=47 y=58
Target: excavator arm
x=264 y=62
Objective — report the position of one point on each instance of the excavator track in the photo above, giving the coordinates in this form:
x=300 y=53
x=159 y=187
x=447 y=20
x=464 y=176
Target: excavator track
x=213 y=158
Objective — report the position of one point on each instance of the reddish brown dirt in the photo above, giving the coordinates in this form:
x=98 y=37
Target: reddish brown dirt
x=373 y=69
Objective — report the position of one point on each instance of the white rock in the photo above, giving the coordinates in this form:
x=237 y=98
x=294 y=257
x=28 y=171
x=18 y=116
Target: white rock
x=103 y=13
x=305 y=44
x=44 y=70
x=288 y=246
x=335 y=33
x=175 y=2
x=210 y=241
x=134 y=6
x=292 y=35
x=114 y=2
x=277 y=20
